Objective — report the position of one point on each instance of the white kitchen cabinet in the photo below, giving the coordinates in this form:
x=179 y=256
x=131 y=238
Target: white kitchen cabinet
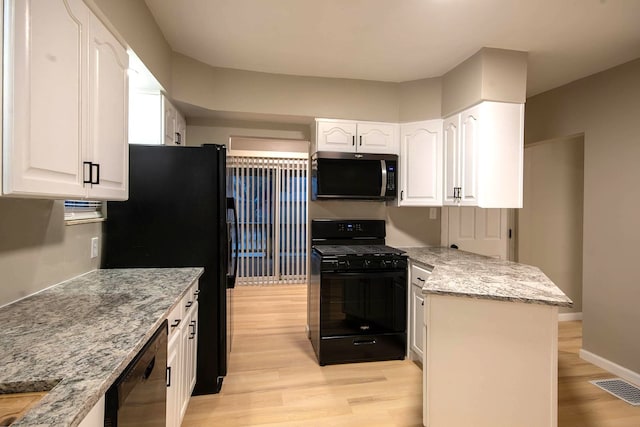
x=181 y=356
x=95 y=417
x=483 y=156
x=355 y=137
x=421 y=157
x=173 y=123
x=64 y=121
x=417 y=278
x=498 y=357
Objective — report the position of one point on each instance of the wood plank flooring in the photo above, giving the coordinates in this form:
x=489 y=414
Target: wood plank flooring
x=275 y=380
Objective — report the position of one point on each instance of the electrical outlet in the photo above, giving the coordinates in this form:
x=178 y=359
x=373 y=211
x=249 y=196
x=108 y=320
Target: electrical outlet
x=95 y=250
x=433 y=213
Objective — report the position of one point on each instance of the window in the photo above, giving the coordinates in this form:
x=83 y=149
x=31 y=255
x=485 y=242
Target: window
x=82 y=210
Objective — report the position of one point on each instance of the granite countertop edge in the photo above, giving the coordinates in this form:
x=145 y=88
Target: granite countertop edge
x=75 y=393
x=464 y=274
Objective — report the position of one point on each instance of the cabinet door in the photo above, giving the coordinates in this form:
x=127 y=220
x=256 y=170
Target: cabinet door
x=450 y=137
x=181 y=129
x=45 y=72
x=173 y=382
x=417 y=320
x=169 y=122
x=194 y=349
x=468 y=159
x=108 y=110
x=336 y=136
x=377 y=138
x=421 y=164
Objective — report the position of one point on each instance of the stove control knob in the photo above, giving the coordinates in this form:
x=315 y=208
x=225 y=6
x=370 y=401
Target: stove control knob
x=395 y=263
x=366 y=263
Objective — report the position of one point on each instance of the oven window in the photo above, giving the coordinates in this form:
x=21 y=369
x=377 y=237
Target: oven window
x=363 y=303
x=361 y=178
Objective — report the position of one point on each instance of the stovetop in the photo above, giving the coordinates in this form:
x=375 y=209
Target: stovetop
x=356 y=250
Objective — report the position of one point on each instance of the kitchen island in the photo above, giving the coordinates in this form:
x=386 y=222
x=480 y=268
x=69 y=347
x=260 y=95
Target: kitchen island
x=490 y=352
x=74 y=339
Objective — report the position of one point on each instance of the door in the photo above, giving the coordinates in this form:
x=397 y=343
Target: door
x=477 y=230
x=271 y=201
x=417 y=320
x=45 y=97
x=108 y=111
x=421 y=164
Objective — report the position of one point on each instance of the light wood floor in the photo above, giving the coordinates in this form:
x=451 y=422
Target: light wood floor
x=275 y=380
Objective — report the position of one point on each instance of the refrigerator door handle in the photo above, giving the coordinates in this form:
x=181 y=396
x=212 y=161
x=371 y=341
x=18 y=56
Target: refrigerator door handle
x=231 y=204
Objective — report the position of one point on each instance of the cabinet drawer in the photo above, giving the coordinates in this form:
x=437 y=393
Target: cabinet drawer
x=189 y=299
x=419 y=275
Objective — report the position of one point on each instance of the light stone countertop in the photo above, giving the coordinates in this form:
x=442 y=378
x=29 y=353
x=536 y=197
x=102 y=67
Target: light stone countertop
x=80 y=335
x=459 y=273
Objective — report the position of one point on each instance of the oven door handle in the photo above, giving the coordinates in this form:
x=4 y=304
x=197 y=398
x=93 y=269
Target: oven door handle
x=364 y=342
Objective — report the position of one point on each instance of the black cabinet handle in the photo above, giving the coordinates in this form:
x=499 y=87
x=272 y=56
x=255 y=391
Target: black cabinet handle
x=192 y=324
x=178 y=138
x=86 y=172
x=168 y=376
x=353 y=140
x=420 y=278
x=361 y=140
x=401 y=194
x=422 y=303
x=189 y=304
x=454 y=246
x=97 y=166
x=175 y=324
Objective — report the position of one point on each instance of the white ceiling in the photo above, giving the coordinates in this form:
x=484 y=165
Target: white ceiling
x=401 y=40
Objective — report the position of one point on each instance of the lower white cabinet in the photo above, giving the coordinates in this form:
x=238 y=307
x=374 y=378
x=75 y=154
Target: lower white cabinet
x=95 y=417
x=417 y=331
x=181 y=356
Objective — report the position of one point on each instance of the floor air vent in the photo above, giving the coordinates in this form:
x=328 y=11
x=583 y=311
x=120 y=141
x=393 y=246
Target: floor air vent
x=620 y=389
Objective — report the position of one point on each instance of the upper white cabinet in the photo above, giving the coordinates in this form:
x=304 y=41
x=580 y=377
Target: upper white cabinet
x=483 y=156
x=421 y=157
x=174 y=124
x=351 y=137
x=65 y=106
x=108 y=107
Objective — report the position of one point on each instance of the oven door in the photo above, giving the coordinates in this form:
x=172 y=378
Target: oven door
x=363 y=303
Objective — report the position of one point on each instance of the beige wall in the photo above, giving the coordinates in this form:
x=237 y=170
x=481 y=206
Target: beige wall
x=420 y=100
x=218 y=132
x=606 y=108
x=405 y=226
x=223 y=89
x=37 y=250
x=489 y=75
x=549 y=227
x=134 y=23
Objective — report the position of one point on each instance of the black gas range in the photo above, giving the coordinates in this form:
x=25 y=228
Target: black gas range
x=357 y=293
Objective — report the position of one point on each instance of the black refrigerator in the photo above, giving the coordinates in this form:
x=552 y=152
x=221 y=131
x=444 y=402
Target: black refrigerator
x=178 y=215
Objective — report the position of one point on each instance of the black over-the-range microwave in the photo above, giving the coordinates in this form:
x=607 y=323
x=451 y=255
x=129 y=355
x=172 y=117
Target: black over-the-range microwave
x=353 y=176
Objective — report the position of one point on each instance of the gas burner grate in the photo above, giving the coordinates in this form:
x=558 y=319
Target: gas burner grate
x=620 y=389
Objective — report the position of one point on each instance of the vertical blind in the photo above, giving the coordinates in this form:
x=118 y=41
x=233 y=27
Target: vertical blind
x=271 y=199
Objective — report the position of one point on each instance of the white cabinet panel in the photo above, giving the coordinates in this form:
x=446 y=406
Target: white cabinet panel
x=64 y=121
x=46 y=98
x=108 y=113
x=351 y=136
x=483 y=156
x=376 y=138
x=336 y=136
x=421 y=157
x=417 y=320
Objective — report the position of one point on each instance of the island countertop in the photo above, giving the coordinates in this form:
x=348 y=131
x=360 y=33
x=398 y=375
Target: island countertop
x=79 y=336
x=459 y=273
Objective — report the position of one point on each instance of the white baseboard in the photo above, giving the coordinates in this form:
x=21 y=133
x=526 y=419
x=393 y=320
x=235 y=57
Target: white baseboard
x=614 y=368
x=567 y=317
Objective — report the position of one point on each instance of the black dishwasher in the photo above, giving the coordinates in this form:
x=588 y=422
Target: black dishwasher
x=139 y=396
